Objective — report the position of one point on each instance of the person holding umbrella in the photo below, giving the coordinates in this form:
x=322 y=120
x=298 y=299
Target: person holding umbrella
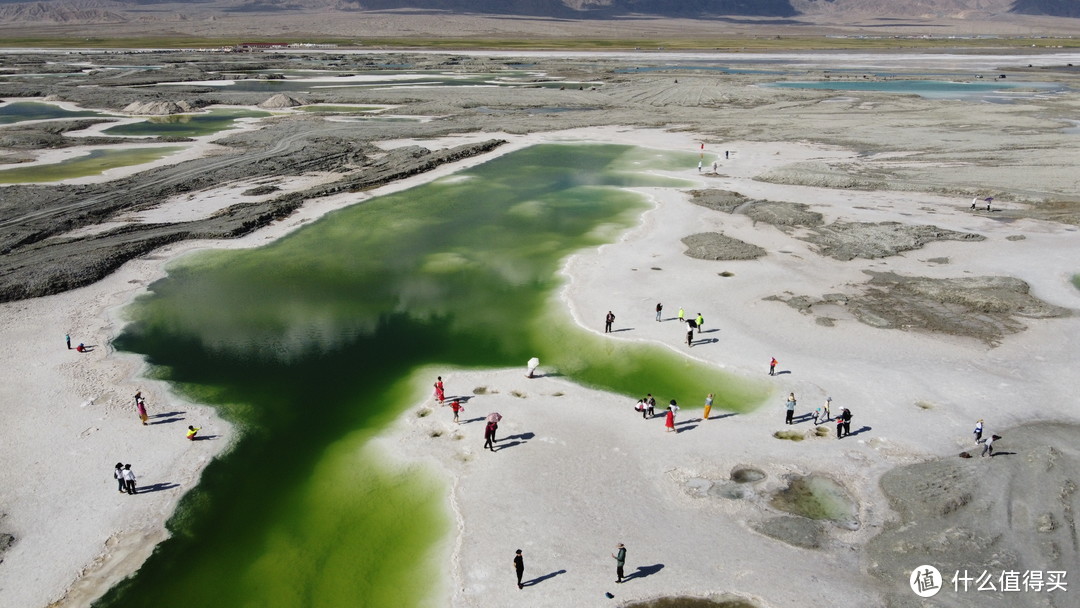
x=533 y=364
x=493 y=421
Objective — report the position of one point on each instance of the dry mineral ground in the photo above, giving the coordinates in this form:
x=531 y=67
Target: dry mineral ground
x=837 y=237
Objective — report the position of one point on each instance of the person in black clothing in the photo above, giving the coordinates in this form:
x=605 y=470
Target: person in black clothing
x=846 y=417
x=650 y=405
x=519 y=567
x=489 y=436
x=608 y=320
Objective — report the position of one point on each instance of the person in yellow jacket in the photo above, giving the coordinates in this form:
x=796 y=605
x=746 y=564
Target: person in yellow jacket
x=192 y=431
x=708 y=406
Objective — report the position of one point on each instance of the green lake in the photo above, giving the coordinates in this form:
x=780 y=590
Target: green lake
x=20 y=111
x=94 y=163
x=315 y=342
x=186 y=125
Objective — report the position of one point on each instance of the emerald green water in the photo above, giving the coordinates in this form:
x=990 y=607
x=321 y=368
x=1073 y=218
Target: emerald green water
x=186 y=125
x=314 y=342
x=29 y=110
x=94 y=163
x=318 y=109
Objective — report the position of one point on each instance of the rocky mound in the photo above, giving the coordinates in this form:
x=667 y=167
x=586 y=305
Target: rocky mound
x=281 y=100
x=716 y=246
x=158 y=108
x=1013 y=512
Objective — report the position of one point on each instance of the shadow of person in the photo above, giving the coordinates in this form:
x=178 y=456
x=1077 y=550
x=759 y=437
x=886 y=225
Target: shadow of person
x=643 y=571
x=540 y=579
x=783 y=371
x=683 y=429
x=167 y=414
x=548 y=375
x=722 y=416
x=861 y=429
x=167 y=420
x=204 y=437
x=622 y=329
x=472 y=420
x=157 y=487
x=1003 y=454
x=459 y=398
x=499 y=446
x=526 y=436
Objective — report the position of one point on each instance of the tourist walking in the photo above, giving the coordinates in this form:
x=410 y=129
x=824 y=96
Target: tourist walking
x=140 y=406
x=790 y=405
x=129 y=479
x=825 y=408
x=192 y=431
x=772 y=367
x=620 y=561
x=489 y=436
x=988 y=445
x=440 y=392
x=519 y=567
x=67 y=338
x=455 y=406
x=978 y=429
x=700 y=320
x=682 y=315
x=708 y=406
x=608 y=320
x=118 y=475
x=659 y=309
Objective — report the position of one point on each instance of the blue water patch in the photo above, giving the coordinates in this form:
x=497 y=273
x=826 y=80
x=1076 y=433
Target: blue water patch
x=21 y=111
x=996 y=91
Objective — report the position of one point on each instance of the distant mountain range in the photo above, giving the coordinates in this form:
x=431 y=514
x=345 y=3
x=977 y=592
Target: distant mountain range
x=147 y=11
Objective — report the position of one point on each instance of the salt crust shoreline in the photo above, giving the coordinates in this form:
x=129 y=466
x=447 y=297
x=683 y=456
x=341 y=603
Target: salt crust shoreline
x=592 y=473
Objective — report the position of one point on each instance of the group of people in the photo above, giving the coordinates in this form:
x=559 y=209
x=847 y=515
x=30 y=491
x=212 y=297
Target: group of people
x=647 y=406
x=125 y=478
x=691 y=324
x=821 y=414
x=619 y=556
x=987 y=442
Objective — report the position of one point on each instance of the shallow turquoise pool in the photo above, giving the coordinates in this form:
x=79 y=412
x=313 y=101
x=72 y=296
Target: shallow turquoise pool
x=312 y=344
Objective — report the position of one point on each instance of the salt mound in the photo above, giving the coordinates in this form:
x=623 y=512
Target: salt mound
x=158 y=107
x=281 y=100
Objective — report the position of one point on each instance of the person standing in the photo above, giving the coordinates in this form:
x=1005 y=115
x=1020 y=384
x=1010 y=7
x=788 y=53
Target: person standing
x=192 y=431
x=608 y=320
x=118 y=475
x=839 y=427
x=708 y=406
x=772 y=367
x=825 y=408
x=489 y=436
x=650 y=405
x=659 y=309
x=129 y=479
x=620 y=561
x=700 y=320
x=689 y=332
x=140 y=406
x=532 y=365
x=845 y=416
x=978 y=429
x=455 y=406
x=669 y=419
x=519 y=567
x=67 y=338
x=682 y=314
x=440 y=392
x=790 y=405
